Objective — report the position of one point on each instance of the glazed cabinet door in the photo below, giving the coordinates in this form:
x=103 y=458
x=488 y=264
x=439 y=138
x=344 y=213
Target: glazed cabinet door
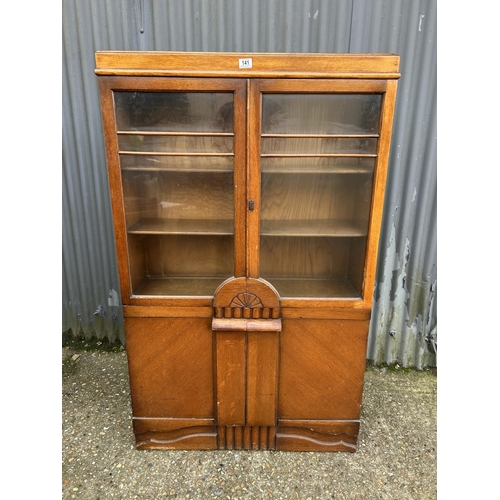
x=314 y=149
x=176 y=155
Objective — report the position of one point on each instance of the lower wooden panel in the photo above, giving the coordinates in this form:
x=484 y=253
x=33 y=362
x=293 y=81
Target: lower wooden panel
x=321 y=369
x=310 y=435
x=295 y=390
x=175 y=434
x=170 y=367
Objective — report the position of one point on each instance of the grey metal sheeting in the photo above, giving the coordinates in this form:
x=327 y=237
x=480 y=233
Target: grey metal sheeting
x=404 y=320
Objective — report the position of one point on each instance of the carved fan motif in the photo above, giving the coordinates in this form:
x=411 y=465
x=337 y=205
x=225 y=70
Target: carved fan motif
x=246 y=300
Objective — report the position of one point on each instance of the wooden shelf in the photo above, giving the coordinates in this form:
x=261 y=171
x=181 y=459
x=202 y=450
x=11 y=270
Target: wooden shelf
x=286 y=287
x=180 y=168
x=305 y=228
x=183 y=226
x=309 y=169
x=317 y=165
x=317 y=155
x=198 y=286
x=220 y=168
x=314 y=288
x=321 y=136
x=163 y=133
x=327 y=228
x=183 y=153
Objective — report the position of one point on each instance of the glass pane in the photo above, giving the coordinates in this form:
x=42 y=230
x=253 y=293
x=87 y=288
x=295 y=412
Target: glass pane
x=182 y=227
x=178 y=184
x=320 y=113
x=179 y=264
x=174 y=111
x=313 y=232
x=179 y=196
x=315 y=208
x=318 y=202
x=313 y=272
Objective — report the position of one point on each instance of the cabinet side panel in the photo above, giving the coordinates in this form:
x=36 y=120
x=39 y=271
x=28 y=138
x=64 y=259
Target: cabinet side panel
x=322 y=365
x=170 y=367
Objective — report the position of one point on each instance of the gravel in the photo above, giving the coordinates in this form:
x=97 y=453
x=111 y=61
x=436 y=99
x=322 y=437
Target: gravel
x=396 y=457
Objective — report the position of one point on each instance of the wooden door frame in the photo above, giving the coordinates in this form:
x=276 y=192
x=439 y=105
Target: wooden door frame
x=259 y=86
x=107 y=86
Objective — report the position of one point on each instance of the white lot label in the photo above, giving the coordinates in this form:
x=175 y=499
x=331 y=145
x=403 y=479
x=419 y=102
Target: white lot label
x=246 y=63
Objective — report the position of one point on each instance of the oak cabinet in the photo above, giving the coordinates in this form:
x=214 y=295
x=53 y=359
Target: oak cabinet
x=247 y=194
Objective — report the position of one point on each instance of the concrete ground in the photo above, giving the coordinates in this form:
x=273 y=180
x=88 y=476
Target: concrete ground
x=396 y=458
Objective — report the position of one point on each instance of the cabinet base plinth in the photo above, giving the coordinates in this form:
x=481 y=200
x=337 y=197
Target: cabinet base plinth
x=319 y=435
x=203 y=434
x=174 y=434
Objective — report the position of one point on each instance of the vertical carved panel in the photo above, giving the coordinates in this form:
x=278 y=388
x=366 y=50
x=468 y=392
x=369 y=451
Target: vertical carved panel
x=246 y=325
x=262 y=367
x=230 y=377
x=246 y=438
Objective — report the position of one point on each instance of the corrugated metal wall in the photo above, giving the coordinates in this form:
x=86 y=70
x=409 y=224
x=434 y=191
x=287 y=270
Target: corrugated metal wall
x=404 y=317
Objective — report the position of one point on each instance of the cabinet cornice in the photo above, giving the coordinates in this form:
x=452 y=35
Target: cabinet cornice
x=264 y=65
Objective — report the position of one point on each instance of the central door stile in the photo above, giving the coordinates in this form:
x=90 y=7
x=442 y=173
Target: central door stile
x=253 y=179
x=240 y=177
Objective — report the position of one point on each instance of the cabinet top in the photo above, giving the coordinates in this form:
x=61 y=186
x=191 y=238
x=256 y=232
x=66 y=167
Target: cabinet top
x=247 y=64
